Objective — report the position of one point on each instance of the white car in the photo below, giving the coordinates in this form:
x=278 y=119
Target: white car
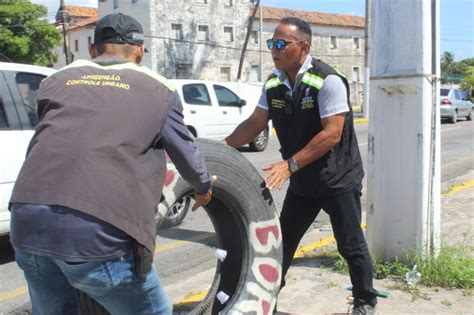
x=455 y=104
x=18 y=86
x=213 y=114
x=212 y=109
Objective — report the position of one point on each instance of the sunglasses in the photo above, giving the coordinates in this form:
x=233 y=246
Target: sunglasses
x=279 y=44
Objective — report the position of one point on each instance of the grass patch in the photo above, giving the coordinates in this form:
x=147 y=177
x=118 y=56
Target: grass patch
x=453 y=268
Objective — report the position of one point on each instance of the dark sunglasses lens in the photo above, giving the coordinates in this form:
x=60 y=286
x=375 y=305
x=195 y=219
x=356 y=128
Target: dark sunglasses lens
x=280 y=44
x=270 y=43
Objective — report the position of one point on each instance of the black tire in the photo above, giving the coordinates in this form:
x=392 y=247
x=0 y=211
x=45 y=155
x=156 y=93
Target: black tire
x=261 y=141
x=176 y=213
x=469 y=117
x=246 y=224
x=454 y=119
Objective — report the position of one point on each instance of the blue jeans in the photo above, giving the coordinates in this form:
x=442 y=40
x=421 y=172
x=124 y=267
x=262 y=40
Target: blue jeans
x=52 y=285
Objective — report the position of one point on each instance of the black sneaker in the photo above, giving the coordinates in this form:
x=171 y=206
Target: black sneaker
x=362 y=307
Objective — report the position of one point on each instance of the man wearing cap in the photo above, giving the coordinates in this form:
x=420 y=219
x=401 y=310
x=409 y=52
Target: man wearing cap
x=84 y=203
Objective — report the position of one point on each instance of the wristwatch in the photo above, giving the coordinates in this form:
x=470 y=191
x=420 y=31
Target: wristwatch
x=292 y=165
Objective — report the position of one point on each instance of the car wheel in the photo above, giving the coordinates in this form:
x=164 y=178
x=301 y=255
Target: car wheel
x=453 y=119
x=246 y=225
x=176 y=213
x=260 y=142
x=469 y=117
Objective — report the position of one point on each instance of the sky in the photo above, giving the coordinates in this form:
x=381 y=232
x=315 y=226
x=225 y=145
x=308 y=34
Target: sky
x=457 y=17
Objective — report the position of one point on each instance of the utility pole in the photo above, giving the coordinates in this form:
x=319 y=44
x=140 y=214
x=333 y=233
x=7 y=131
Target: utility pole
x=366 y=103
x=249 y=30
x=260 y=73
x=403 y=179
x=63 y=20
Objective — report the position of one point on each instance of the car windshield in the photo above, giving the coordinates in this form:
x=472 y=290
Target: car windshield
x=444 y=92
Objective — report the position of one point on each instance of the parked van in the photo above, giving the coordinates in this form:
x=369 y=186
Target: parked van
x=212 y=109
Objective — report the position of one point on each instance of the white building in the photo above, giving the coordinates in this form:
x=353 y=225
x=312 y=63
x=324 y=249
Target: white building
x=80 y=26
x=203 y=39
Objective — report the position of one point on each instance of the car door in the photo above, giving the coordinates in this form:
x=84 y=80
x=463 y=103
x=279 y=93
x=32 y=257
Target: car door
x=199 y=111
x=466 y=103
x=460 y=103
x=17 y=121
x=230 y=109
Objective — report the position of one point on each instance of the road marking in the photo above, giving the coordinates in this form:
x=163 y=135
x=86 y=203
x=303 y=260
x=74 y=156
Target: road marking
x=193 y=298
x=322 y=243
x=12 y=294
x=360 y=120
x=174 y=244
x=459 y=188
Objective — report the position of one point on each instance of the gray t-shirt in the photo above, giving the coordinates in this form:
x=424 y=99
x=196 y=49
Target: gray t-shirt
x=332 y=98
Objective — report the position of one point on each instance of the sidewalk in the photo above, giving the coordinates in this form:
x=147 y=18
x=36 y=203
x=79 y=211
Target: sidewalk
x=311 y=289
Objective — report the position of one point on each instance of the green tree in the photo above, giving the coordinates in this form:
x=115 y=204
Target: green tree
x=447 y=65
x=468 y=83
x=447 y=61
x=24 y=36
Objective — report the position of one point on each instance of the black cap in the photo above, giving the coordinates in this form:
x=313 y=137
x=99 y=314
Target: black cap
x=119 y=28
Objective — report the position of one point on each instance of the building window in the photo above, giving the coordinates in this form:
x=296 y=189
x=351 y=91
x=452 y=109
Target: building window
x=134 y=1
x=254 y=37
x=183 y=71
x=228 y=3
x=89 y=40
x=76 y=45
x=176 y=31
x=356 y=42
x=355 y=74
x=228 y=34
x=116 y=4
x=225 y=74
x=254 y=73
x=333 y=42
x=203 y=33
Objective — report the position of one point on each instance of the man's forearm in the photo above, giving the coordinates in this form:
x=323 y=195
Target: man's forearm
x=321 y=144
x=242 y=135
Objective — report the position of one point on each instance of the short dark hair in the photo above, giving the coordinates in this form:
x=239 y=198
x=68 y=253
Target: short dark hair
x=125 y=49
x=302 y=26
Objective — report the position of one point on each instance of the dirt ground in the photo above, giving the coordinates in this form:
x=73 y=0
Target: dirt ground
x=314 y=290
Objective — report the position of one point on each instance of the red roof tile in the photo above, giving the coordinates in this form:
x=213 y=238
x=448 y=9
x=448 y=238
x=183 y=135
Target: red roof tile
x=83 y=23
x=81 y=12
x=316 y=18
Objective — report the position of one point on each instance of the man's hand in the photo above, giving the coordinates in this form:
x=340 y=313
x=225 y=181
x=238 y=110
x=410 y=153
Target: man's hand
x=204 y=199
x=277 y=174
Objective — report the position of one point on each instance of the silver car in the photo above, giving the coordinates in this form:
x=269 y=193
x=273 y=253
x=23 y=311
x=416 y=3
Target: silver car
x=455 y=104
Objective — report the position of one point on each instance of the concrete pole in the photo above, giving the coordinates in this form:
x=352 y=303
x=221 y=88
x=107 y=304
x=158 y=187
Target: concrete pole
x=366 y=103
x=260 y=73
x=403 y=154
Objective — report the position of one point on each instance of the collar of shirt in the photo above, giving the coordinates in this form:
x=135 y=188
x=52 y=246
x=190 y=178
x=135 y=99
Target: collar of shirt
x=109 y=59
x=284 y=78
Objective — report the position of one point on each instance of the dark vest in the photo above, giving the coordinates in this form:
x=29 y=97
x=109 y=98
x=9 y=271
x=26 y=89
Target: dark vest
x=297 y=120
x=94 y=149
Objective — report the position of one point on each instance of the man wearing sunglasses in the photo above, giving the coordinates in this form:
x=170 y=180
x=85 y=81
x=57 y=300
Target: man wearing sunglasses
x=308 y=102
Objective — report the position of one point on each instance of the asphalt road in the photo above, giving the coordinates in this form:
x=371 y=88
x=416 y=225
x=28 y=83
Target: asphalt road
x=187 y=251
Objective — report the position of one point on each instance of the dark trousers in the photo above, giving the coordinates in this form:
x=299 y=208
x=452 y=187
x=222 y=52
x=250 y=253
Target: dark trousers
x=344 y=210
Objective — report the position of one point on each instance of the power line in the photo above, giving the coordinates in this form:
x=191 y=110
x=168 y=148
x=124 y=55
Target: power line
x=457 y=40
